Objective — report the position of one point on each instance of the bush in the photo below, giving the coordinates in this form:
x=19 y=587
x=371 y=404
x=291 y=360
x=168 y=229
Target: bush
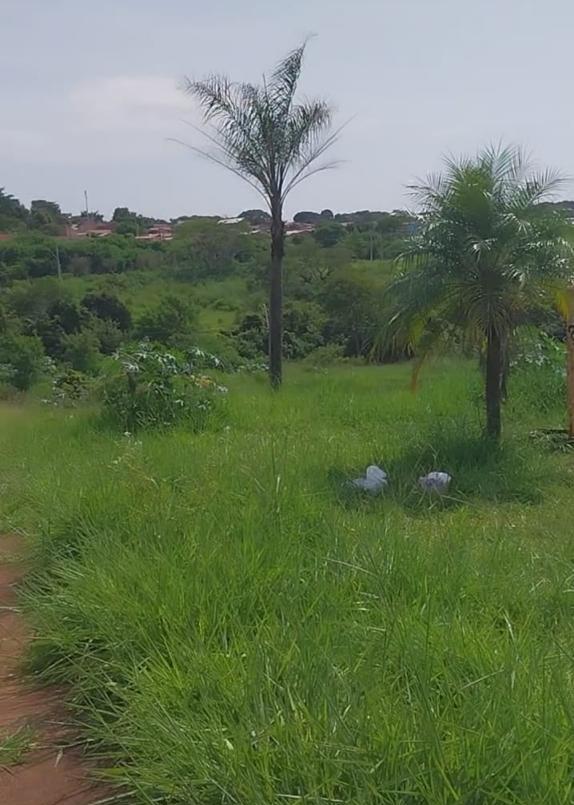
x=323 y=357
x=223 y=347
x=302 y=331
x=538 y=371
x=70 y=387
x=155 y=389
x=109 y=335
x=167 y=322
x=108 y=307
x=22 y=360
x=81 y=351
x=353 y=300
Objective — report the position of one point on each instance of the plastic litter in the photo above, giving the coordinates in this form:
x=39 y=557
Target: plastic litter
x=437 y=482
x=374 y=481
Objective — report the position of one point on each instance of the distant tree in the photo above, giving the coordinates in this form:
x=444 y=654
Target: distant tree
x=30 y=301
x=304 y=322
x=130 y=223
x=256 y=217
x=108 y=307
x=205 y=248
x=67 y=314
x=13 y=214
x=352 y=299
x=166 y=322
x=328 y=214
x=62 y=318
x=307 y=217
x=46 y=217
x=308 y=266
x=128 y=227
x=121 y=213
x=487 y=252
x=273 y=143
x=329 y=234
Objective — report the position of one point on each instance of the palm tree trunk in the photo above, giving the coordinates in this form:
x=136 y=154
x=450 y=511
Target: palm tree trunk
x=494 y=378
x=570 y=361
x=276 y=294
x=505 y=369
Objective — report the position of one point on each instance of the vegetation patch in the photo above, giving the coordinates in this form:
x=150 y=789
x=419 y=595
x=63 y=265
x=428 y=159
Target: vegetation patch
x=232 y=627
x=15 y=745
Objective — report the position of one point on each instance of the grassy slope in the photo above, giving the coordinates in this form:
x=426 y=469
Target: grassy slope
x=242 y=630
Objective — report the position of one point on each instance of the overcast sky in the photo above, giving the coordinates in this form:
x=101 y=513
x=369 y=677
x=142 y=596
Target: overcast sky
x=89 y=93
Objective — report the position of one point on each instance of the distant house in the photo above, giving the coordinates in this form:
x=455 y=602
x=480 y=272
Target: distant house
x=231 y=221
x=295 y=228
x=89 y=226
x=157 y=232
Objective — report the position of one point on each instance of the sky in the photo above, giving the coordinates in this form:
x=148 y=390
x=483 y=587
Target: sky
x=90 y=98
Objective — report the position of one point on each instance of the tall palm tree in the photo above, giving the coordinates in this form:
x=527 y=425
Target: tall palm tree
x=487 y=251
x=265 y=137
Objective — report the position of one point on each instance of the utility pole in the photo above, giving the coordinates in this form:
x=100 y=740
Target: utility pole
x=86 y=200
x=58 y=263
x=371 y=242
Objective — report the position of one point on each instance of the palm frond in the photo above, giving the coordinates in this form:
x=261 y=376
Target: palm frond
x=260 y=133
x=285 y=78
x=486 y=251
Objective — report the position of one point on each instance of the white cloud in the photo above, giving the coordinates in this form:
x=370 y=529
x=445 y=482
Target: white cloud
x=129 y=102
x=111 y=119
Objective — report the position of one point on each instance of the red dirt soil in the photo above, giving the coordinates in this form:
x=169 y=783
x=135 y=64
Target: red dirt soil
x=48 y=774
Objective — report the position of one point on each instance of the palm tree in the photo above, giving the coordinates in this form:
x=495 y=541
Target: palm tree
x=487 y=251
x=265 y=137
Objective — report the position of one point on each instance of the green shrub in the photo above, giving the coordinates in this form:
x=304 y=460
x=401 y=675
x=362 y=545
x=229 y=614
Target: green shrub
x=303 y=323
x=538 y=371
x=322 y=357
x=109 y=335
x=22 y=360
x=70 y=387
x=167 y=321
x=227 y=360
x=81 y=351
x=154 y=389
x=108 y=307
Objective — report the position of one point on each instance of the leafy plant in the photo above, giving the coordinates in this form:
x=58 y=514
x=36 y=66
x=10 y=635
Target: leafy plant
x=538 y=377
x=70 y=387
x=155 y=389
x=22 y=360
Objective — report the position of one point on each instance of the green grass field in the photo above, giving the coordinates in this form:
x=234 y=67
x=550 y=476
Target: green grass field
x=235 y=626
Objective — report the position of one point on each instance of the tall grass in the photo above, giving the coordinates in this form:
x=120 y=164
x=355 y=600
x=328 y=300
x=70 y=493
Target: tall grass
x=235 y=627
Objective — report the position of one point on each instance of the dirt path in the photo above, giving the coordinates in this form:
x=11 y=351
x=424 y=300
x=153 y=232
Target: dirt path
x=46 y=775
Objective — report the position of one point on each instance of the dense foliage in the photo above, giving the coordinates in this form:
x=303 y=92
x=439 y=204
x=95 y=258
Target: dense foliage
x=79 y=300
x=74 y=302
x=153 y=388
